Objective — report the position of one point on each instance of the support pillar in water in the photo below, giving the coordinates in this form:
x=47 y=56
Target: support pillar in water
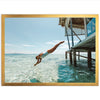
x=89 y=59
x=74 y=57
x=78 y=56
x=70 y=57
x=66 y=55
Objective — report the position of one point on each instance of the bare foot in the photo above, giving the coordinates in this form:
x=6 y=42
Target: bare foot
x=62 y=41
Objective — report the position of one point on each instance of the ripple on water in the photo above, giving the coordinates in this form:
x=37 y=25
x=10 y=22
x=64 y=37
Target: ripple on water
x=53 y=68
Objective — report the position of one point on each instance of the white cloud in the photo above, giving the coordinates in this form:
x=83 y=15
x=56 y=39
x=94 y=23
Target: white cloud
x=64 y=46
x=57 y=41
x=27 y=45
x=12 y=45
x=53 y=42
x=7 y=44
x=74 y=41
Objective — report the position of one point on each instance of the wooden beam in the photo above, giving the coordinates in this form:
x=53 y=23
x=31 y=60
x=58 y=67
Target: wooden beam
x=85 y=28
x=77 y=26
x=67 y=36
x=84 y=57
x=85 y=48
x=71 y=32
x=76 y=35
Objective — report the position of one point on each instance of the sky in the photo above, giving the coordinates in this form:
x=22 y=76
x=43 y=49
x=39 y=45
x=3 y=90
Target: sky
x=34 y=35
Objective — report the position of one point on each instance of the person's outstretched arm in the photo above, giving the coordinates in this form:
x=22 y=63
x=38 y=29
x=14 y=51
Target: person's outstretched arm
x=38 y=61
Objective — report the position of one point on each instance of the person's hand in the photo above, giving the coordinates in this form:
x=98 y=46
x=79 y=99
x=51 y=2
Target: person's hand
x=34 y=64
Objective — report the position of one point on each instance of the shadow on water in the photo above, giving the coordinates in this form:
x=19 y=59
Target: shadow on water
x=34 y=80
x=69 y=73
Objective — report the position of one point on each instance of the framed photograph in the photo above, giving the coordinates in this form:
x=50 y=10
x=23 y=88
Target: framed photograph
x=50 y=50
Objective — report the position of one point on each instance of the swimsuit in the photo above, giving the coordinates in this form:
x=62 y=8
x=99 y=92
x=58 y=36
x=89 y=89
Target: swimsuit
x=44 y=54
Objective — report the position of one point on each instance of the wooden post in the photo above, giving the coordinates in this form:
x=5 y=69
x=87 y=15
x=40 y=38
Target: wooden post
x=89 y=59
x=85 y=28
x=74 y=57
x=66 y=30
x=70 y=56
x=66 y=55
x=67 y=37
x=78 y=56
x=71 y=31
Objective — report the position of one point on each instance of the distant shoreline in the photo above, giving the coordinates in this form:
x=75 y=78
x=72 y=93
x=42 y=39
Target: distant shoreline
x=17 y=54
x=24 y=54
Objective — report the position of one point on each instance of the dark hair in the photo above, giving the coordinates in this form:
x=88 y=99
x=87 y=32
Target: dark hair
x=36 y=57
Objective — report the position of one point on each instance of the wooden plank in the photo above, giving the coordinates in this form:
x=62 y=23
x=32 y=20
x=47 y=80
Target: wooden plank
x=85 y=48
x=85 y=28
x=77 y=26
x=84 y=57
x=88 y=42
x=77 y=34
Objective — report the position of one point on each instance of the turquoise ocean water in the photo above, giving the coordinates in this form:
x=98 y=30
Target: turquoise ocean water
x=53 y=68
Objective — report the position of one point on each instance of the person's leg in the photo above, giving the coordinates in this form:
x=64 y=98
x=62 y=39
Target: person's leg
x=54 y=48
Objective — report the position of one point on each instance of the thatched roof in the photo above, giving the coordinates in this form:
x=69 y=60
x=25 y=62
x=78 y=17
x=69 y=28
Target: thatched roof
x=76 y=22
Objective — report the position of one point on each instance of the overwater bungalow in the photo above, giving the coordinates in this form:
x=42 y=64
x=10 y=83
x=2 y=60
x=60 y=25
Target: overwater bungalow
x=76 y=27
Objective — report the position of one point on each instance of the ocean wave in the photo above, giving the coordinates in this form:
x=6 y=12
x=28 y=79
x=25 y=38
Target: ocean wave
x=53 y=68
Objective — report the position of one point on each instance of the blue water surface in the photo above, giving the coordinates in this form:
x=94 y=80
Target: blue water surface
x=53 y=68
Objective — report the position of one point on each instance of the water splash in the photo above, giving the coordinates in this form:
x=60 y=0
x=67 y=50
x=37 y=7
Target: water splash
x=53 y=68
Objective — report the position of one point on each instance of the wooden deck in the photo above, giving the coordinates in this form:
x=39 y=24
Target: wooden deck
x=84 y=26
x=86 y=44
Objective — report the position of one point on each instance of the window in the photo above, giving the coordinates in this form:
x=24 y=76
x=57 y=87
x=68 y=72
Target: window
x=91 y=27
